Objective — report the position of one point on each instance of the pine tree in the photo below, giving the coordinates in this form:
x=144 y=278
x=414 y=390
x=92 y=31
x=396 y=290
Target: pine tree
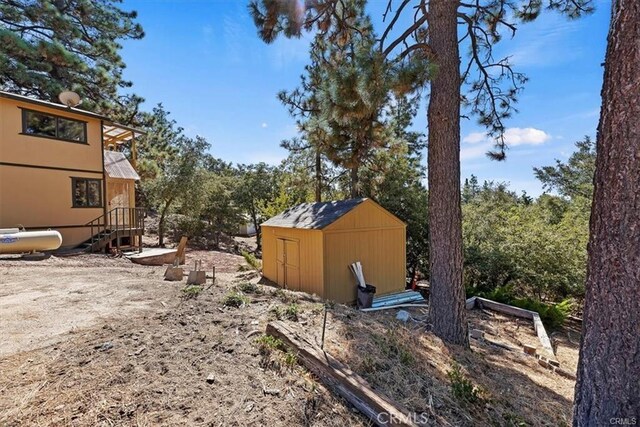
x=491 y=88
x=47 y=46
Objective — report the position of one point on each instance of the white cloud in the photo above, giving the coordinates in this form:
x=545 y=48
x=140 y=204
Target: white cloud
x=264 y=125
x=480 y=143
x=475 y=137
x=475 y=151
x=525 y=136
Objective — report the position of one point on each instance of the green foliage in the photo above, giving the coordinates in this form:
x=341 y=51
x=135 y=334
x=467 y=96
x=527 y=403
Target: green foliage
x=284 y=296
x=393 y=348
x=537 y=247
x=192 y=291
x=290 y=312
x=252 y=260
x=461 y=387
x=290 y=359
x=268 y=343
x=257 y=185
x=552 y=315
x=235 y=300
x=575 y=177
x=248 y=288
x=50 y=46
x=513 y=420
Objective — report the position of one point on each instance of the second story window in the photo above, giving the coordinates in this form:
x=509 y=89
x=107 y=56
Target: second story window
x=47 y=125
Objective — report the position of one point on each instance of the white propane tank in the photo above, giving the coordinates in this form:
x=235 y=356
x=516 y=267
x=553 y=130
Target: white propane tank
x=14 y=241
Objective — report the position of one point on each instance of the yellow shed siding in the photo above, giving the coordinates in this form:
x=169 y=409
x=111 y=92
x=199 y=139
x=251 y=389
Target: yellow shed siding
x=367 y=233
x=310 y=256
x=367 y=215
x=382 y=253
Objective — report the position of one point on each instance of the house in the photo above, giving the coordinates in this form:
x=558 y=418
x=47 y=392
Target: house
x=246 y=228
x=309 y=248
x=60 y=169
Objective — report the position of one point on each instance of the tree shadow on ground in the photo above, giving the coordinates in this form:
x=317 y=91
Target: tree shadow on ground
x=411 y=365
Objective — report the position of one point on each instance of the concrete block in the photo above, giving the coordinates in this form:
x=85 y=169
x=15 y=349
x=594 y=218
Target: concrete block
x=529 y=349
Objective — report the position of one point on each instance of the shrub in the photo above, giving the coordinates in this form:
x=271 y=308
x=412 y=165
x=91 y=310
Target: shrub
x=252 y=260
x=290 y=359
x=248 y=288
x=234 y=299
x=461 y=387
x=192 y=291
x=392 y=347
x=267 y=344
x=290 y=312
x=284 y=296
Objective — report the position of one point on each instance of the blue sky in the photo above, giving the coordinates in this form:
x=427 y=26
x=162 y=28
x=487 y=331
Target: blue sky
x=203 y=60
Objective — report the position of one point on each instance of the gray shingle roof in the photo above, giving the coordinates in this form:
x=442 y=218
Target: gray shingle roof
x=117 y=166
x=313 y=215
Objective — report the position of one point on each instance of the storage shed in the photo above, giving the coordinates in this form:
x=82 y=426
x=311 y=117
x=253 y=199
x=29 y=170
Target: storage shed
x=309 y=248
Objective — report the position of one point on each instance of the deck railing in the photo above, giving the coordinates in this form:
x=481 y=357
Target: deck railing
x=116 y=223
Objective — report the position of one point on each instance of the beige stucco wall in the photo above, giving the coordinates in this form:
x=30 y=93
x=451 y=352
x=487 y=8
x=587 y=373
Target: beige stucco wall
x=17 y=148
x=38 y=197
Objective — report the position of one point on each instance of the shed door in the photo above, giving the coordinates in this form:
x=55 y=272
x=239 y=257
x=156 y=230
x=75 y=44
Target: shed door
x=288 y=264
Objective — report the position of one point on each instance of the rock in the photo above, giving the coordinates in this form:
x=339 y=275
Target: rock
x=272 y=391
x=174 y=274
x=477 y=334
x=403 y=316
x=211 y=379
x=104 y=347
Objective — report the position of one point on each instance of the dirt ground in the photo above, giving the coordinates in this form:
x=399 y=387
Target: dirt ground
x=91 y=341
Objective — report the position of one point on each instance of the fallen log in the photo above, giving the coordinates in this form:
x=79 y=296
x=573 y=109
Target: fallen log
x=380 y=409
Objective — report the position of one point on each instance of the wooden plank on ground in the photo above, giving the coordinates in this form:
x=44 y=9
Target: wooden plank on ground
x=180 y=258
x=542 y=336
x=380 y=409
x=504 y=308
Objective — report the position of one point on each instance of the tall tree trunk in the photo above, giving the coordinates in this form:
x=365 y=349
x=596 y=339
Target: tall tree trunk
x=161 y=223
x=446 y=306
x=318 y=176
x=256 y=225
x=608 y=386
x=355 y=182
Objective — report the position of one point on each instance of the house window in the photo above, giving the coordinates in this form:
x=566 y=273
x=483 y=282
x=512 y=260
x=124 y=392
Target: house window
x=86 y=193
x=47 y=125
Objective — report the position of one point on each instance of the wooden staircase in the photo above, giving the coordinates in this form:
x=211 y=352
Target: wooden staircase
x=120 y=228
